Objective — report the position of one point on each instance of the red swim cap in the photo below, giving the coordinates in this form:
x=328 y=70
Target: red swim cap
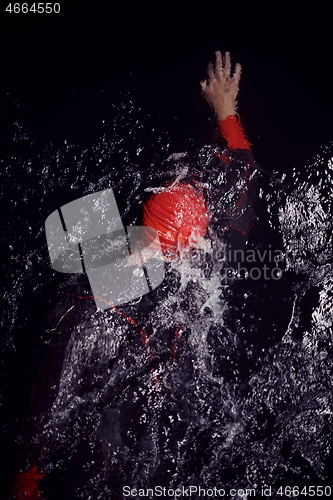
x=179 y=215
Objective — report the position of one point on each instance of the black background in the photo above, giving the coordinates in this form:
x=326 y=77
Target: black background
x=159 y=53
x=53 y=67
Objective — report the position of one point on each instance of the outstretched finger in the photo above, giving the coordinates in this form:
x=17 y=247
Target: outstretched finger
x=227 y=64
x=237 y=73
x=218 y=62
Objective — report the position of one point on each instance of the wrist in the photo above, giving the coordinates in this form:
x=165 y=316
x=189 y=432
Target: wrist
x=223 y=110
x=222 y=115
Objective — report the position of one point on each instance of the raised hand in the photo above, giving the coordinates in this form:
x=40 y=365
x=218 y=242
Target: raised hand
x=220 y=89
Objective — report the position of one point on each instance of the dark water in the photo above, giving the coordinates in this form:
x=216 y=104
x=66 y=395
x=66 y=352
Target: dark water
x=233 y=388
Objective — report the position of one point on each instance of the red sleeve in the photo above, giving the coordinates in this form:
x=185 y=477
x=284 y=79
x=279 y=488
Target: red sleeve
x=232 y=131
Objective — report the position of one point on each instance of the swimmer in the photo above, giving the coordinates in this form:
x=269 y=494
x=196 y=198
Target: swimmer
x=179 y=213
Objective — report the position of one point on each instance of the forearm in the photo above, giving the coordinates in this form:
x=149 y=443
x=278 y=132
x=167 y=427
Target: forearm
x=230 y=128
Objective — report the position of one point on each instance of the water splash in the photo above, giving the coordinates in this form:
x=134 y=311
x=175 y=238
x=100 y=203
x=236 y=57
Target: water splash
x=243 y=397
